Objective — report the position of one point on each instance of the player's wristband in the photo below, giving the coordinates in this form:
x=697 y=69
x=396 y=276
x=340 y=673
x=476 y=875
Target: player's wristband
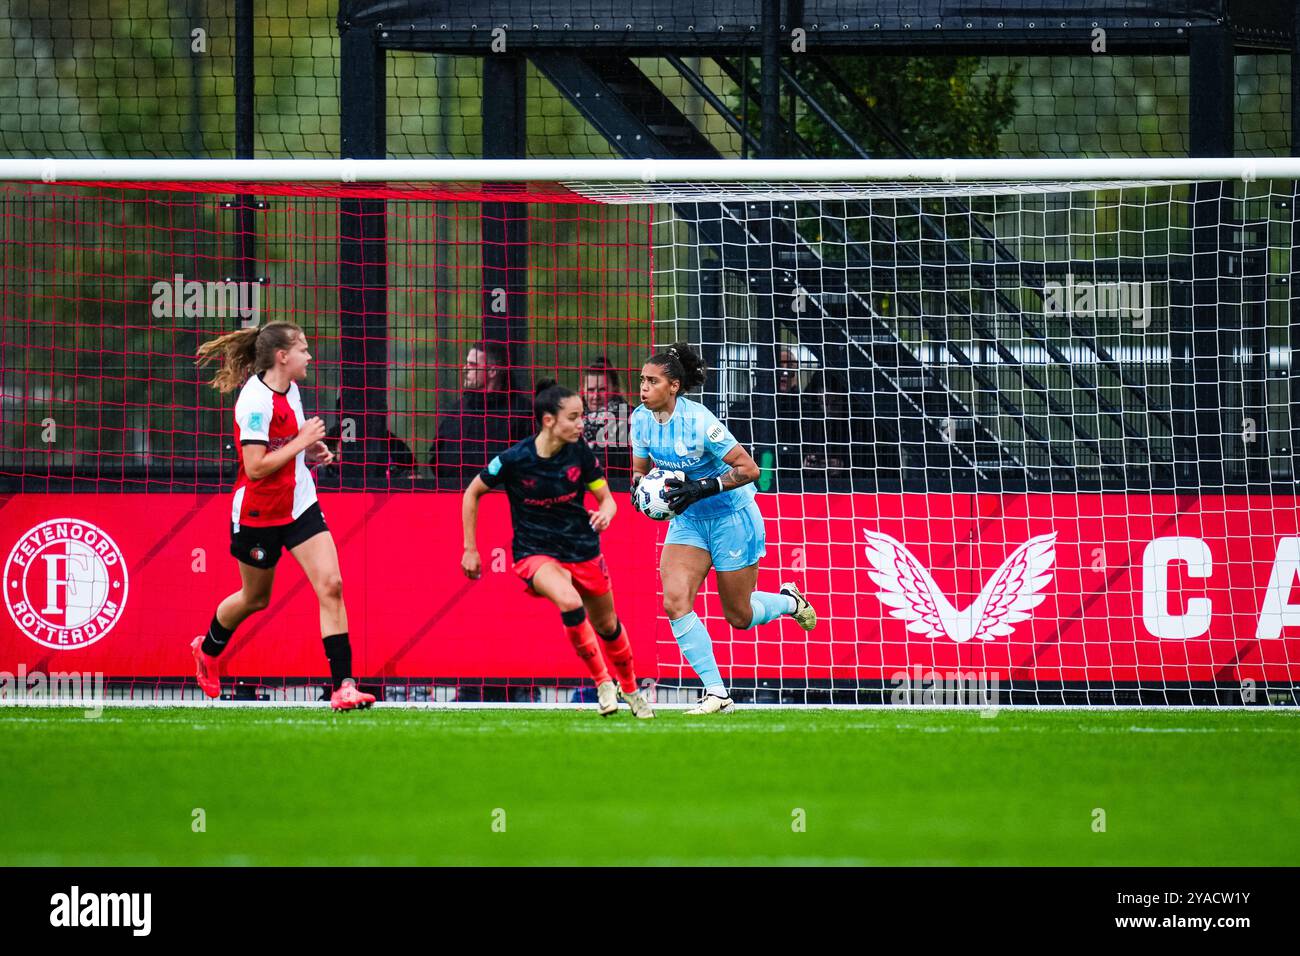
x=706 y=488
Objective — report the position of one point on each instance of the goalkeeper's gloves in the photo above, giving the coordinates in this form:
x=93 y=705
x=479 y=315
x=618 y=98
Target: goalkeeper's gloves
x=680 y=495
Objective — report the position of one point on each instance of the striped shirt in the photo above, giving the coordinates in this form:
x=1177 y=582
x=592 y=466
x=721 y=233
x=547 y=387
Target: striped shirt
x=264 y=416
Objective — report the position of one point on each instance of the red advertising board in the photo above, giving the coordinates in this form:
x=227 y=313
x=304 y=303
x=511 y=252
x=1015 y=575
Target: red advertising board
x=1027 y=587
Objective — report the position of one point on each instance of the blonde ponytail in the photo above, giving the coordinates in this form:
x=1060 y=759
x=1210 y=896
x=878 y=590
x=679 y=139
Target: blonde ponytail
x=245 y=352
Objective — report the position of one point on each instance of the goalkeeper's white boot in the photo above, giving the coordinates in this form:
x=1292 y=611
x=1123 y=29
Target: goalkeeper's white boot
x=639 y=703
x=606 y=698
x=712 y=704
x=803 y=615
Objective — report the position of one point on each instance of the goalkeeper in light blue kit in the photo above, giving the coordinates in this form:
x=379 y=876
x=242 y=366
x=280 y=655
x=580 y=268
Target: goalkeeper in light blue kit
x=718 y=525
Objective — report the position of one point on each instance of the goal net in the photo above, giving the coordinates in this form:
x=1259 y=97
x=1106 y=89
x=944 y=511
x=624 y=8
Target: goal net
x=1027 y=431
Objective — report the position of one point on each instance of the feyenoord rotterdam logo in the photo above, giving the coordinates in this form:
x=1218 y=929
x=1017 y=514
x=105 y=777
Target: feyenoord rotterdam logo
x=1006 y=600
x=65 y=583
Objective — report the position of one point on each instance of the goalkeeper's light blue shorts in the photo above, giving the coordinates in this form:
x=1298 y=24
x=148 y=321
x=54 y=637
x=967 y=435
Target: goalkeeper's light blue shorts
x=735 y=539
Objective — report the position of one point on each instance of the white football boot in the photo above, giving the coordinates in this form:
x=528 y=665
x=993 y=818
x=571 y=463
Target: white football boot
x=803 y=615
x=606 y=698
x=640 y=705
x=712 y=704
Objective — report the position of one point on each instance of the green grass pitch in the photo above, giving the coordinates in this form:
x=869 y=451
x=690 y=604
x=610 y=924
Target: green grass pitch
x=305 y=786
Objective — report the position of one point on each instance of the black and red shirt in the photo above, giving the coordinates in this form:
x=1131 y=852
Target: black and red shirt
x=547 y=499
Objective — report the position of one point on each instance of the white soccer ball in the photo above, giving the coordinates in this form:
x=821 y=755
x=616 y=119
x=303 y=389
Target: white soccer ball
x=649 y=495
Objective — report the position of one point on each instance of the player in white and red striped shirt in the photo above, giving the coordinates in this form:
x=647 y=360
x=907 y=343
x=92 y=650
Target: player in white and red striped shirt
x=274 y=504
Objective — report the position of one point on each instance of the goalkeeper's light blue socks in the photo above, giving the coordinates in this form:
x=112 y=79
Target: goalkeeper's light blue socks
x=768 y=606
x=697 y=647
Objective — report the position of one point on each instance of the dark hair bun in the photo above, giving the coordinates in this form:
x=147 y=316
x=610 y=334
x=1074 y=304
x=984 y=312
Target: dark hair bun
x=693 y=366
x=543 y=384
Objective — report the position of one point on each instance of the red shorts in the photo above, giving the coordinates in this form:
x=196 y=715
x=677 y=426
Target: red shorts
x=591 y=578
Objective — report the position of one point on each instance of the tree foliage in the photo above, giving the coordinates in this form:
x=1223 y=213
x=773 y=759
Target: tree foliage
x=933 y=106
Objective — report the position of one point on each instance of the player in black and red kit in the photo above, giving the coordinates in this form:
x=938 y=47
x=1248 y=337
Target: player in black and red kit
x=274 y=504
x=557 y=540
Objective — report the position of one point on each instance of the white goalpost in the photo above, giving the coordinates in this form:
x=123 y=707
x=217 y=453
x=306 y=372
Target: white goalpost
x=1030 y=425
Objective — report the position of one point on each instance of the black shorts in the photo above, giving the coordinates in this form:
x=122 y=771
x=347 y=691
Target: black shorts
x=260 y=547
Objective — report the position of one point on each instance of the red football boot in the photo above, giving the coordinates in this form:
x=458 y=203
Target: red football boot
x=348 y=697
x=209 y=669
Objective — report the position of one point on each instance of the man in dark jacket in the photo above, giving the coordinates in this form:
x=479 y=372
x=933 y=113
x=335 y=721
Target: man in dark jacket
x=490 y=417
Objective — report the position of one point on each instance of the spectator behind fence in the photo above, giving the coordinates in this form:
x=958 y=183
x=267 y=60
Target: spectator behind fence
x=605 y=421
x=349 y=448
x=810 y=441
x=490 y=417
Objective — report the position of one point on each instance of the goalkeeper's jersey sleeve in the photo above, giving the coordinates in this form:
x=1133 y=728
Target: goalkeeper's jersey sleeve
x=547 y=497
x=692 y=441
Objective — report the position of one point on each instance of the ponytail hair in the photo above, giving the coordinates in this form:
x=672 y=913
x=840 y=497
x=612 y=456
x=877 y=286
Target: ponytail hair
x=549 y=395
x=682 y=364
x=245 y=352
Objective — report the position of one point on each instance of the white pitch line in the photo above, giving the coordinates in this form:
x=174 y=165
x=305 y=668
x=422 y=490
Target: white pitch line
x=740 y=708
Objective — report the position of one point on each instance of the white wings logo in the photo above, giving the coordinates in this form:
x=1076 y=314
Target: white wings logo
x=1005 y=601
